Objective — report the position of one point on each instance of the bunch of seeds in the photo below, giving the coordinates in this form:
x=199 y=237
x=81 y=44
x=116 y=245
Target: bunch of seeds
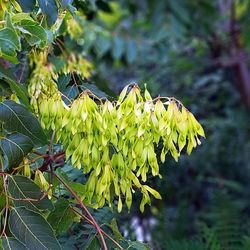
x=115 y=142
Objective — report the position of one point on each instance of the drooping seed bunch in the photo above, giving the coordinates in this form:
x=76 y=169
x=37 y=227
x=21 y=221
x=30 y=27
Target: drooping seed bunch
x=115 y=142
x=45 y=98
x=74 y=28
x=77 y=64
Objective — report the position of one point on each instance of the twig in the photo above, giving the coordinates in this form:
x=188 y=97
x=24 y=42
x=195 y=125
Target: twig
x=37 y=153
x=75 y=82
x=47 y=160
x=43 y=195
x=1 y=162
x=103 y=232
x=98 y=229
x=6 y=206
x=37 y=158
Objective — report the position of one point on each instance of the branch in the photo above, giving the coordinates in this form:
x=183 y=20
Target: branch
x=78 y=199
x=6 y=205
x=103 y=232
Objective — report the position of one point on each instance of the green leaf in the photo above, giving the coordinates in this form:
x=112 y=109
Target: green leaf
x=62 y=217
x=34 y=33
x=115 y=229
x=131 y=51
x=9 y=42
x=118 y=47
x=93 y=244
x=11 y=243
x=135 y=245
x=102 y=44
x=16 y=118
x=63 y=81
x=21 y=187
x=66 y=3
x=21 y=92
x=16 y=146
x=79 y=188
x=32 y=229
x=20 y=16
x=49 y=8
x=27 y=6
x=17 y=88
x=94 y=89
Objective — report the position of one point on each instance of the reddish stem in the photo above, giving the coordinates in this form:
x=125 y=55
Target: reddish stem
x=103 y=232
x=98 y=229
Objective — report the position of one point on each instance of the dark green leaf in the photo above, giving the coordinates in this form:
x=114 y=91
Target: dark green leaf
x=16 y=146
x=79 y=188
x=102 y=44
x=115 y=229
x=58 y=63
x=63 y=81
x=11 y=243
x=135 y=245
x=21 y=92
x=16 y=118
x=66 y=3
x=94 y=89
x=49 y=8
x=71 y=92
x=32 y=229
x=118 y=47
x=9 y=42
x=21 y=187
x=34 y=33
x=131 y=51
x=62 y=217
x=27 y=6
x=93 y=244
x=17 y=88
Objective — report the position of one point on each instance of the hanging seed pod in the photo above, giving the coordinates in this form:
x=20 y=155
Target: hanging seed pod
x=115 y=142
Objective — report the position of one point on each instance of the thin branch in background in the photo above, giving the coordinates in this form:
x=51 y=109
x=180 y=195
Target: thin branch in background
x=37 y=158
x=61 y=45
x=75 y=83
x=104 y=233
x=78 y=199
x=6 y=205
x=21 y=75
x=1 y=162
x=43 y=195
x=37 y=153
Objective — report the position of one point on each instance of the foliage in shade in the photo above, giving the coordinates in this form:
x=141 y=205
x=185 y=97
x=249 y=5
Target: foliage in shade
x=16 y=118
x=32 y=230
x=21 y=187
x=62 y=217
x=16 y=146
x=10 y=243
